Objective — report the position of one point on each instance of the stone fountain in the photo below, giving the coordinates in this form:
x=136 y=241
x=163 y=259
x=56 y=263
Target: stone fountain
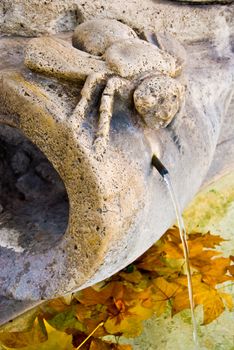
x=89 y=91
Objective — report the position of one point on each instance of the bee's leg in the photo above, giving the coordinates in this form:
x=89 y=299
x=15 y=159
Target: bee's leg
x=90 y=85
x=113 y=85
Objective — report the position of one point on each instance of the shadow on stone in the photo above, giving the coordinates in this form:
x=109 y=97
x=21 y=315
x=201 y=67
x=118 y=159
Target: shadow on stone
x=34 y=204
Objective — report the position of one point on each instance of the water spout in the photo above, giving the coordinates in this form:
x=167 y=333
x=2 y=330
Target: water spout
x=183 y=236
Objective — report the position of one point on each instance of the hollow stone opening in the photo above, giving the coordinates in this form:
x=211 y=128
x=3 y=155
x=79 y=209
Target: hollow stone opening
x=34 y=205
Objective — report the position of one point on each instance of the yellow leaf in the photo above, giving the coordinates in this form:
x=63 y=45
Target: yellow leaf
x=129 y=327
x=129 y=322
x=180 y=302
x=204 y=295
x=167 y=289
x=17 y=340
x=56 y=340
x=173 y=250
x=164 y=291
x=151 y=260
x=228 y=300
x=134 y=277
x=212 y=306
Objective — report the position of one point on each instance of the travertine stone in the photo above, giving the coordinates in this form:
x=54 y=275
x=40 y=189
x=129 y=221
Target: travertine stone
x=65 y=100
x=135 y=60
x=158 y=99
x=130 y=57
x=95 y=36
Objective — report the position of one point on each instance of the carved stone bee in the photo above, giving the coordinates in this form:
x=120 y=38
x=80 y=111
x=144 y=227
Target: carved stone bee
x=110 y=51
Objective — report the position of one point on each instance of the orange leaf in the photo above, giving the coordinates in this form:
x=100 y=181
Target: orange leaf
x=98 y=344
x=231 y=270
x=173 y=250
x=89 y=296
x=207 y=240
x=215 y=272
x=202 y=259
x=58 y=304
x=83 y=312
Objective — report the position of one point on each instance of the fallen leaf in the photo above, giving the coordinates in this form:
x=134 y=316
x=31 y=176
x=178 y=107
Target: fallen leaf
x=89 y=296
x=207 y=240
x=98 y=344
x=151 y=260
x=66 y=320
x=134 y=277
x=128 y=321
x=227 y=299
x=216 y=272
x=204 y=295
x=164 y=292
x=18 y=340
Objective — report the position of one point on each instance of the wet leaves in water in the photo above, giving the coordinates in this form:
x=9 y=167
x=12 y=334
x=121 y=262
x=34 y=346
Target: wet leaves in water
x=119 y=305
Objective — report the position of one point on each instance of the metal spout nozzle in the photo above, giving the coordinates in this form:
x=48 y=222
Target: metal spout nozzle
x=159 y=166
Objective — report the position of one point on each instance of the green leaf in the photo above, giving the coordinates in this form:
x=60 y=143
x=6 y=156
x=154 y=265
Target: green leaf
x=66 y=320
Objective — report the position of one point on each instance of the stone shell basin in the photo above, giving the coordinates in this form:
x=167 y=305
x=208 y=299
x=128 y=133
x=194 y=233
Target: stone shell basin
x=117 y=207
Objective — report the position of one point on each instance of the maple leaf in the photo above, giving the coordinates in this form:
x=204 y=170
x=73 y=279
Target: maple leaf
x=90 y=296
x=215 y=272
x=172 y=235
x=16 y=340
x=231 y=267
x=56 y=340
x=151 y=260
x=164 y=292
x=207 y=240
x=204 y=258
x=98 y=344
x=227 y=299
x=91 y=323
x=66 y=320
x=231 y=270
x=58 y=305
x=134 y=277
x=204 y=295
x=173 y=250
x=120 y=304
x=127 y=319
x=83 y=312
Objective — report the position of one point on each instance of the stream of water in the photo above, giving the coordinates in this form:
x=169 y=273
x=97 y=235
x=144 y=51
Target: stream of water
x=183 y=236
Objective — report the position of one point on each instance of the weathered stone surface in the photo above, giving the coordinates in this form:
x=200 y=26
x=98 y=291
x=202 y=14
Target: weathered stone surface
x=31 y=17
x=95 y=36
x=158 y=99
x=205 y=1
x=117 y=204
